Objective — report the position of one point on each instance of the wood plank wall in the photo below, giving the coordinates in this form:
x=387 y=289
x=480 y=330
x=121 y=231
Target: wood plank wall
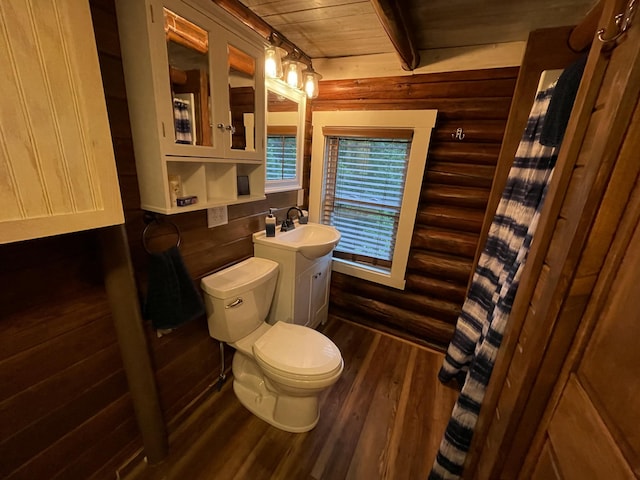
x=187 y=361
x=454 y=196
x=65 y=408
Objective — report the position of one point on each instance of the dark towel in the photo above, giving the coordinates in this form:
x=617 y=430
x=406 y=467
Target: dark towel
x=172 y=298
x=561 y=104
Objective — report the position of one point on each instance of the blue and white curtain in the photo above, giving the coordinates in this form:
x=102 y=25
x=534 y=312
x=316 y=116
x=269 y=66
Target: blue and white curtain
x=481 y=324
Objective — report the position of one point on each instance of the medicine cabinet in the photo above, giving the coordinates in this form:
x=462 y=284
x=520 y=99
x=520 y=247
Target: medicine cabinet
x=196 y=94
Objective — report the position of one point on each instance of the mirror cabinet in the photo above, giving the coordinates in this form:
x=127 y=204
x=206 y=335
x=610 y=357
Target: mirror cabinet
x=196 y=93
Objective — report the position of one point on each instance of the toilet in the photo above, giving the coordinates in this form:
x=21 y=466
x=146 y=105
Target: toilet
x=279 y=370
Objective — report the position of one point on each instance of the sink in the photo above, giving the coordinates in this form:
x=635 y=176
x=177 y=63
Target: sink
x=313 y=240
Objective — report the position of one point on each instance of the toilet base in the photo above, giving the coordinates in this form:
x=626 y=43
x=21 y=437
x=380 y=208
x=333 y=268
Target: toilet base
x=291 y=414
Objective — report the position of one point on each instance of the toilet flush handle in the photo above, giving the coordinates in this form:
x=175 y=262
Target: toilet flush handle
x=236 y=303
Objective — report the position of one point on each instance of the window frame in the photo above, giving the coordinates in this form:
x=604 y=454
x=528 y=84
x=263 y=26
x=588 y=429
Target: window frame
x=280 y=119
x=422 y=123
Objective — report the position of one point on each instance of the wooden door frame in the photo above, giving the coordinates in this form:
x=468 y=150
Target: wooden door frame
x=624 y=178
x=514 y=406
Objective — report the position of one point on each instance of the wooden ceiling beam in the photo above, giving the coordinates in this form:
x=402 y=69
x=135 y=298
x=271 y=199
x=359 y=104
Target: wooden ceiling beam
x=258 y=25
x=390 y=14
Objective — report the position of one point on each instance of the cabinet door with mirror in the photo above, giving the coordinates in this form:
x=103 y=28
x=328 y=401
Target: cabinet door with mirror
x=285 y=136
x=189 y=79
x=195 y=88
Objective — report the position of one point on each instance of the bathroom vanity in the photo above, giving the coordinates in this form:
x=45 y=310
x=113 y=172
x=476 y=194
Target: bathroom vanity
x=302 y=292
x=304 y=256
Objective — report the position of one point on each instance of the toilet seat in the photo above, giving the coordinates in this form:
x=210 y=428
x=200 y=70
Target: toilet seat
x=297 y=353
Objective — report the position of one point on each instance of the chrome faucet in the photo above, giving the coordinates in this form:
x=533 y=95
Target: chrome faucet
x=287 y=223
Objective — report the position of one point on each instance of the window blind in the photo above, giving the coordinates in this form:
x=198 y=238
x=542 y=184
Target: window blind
x=364 y=184
x=281 y=156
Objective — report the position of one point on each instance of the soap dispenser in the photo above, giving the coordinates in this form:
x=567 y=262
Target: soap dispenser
x=270 y=223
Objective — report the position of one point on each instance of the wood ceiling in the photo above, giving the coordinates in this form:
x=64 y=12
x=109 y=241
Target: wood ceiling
x=343 y=28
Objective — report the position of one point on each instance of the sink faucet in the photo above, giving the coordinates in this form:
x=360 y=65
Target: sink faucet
x=287 y=223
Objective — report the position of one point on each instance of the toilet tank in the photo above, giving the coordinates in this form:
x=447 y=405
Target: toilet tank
x=238 y=298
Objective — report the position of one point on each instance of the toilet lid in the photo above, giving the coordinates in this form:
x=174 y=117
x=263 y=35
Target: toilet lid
x=298 y=350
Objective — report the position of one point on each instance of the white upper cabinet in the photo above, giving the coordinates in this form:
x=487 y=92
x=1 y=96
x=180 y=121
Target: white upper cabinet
x=196 y=94
x=57 y=168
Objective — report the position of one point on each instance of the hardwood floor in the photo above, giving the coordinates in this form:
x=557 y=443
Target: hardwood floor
x=383 y=419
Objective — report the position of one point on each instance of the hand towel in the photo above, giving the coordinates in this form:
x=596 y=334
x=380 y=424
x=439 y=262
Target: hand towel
x=172 y=298
x=561 y=104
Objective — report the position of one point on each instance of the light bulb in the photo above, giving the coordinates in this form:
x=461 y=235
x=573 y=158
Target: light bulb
x=272 y=63
x=311 y=85
x=292 y=75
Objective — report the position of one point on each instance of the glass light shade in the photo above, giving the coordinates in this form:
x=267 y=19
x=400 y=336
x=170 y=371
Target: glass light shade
x=272 y=63
x=311 y=84
x=293 y=74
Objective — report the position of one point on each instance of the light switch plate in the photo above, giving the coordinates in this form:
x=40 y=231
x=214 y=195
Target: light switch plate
x=217 y=216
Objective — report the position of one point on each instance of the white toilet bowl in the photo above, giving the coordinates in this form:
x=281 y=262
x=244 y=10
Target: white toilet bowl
x=278 y=370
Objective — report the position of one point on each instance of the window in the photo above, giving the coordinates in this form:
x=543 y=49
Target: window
x=362 y=196
x=366 y=177
x=281 y=153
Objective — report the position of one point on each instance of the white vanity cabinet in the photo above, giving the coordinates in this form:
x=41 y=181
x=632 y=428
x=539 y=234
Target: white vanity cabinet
x=302 y=292
x=311 y=293
x=196 y=93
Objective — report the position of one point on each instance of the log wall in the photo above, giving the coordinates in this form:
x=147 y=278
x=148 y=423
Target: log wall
x=454 y=196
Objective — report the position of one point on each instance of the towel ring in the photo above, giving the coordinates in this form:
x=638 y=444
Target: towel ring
x=151 y=219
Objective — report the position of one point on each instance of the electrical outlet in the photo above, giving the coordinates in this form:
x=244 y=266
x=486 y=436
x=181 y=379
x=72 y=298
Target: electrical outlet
x=300 y=197
x=217 y=216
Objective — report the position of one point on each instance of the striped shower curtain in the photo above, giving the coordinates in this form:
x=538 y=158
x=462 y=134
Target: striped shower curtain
x=471 y=355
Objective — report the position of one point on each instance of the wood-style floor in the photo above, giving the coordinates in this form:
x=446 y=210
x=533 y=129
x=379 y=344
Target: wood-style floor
x=383 y=419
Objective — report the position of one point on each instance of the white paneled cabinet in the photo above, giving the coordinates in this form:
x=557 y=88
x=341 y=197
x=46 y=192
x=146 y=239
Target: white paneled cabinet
x=311 y=293
x=196 y=94
x=302 y=291
x=57 y=168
